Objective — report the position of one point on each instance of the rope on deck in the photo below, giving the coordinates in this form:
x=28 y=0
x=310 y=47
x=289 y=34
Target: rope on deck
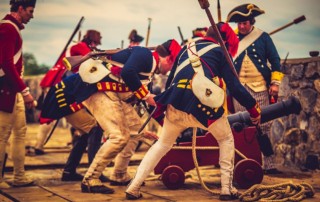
x=278 y=193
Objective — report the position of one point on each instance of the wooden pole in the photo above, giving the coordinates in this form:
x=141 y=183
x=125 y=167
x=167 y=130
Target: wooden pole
x=148 y=33
x=295 y=21
x=219 y=12
x=205 y=5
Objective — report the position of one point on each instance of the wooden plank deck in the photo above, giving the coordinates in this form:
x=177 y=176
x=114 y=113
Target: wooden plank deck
x=47 y=170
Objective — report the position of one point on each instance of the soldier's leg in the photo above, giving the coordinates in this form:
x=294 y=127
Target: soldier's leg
x=110 y=114
x=83 y=122
x=18 y=144
x=120 y=175
x=172 y=128
x=6 y=126
x=44 y=130
x=221 y=130
x=94 y=142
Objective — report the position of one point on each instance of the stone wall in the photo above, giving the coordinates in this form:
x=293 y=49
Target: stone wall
x=296 y=138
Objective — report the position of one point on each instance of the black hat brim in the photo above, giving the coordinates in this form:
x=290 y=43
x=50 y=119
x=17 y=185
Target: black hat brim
x=244 y=12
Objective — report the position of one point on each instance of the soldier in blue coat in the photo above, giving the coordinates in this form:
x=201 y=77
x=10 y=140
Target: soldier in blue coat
x=109 y=95
x=184 y=107
x=256 y=49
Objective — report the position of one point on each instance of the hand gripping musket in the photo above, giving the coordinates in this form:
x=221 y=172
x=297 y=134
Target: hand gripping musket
x=74 y=61
x=295 y=21
x=205 y=5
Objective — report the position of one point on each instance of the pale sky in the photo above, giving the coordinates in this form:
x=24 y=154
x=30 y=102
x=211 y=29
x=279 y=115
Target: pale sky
x=54 y=21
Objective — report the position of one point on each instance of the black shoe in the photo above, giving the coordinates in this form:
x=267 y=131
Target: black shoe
x=116 y=183
x=103 y=178
x=96 y=189
x=227 y=197
x=32 y=183
x=133 y=197
x=38 y=151
x=272 y=171
x=71 y=177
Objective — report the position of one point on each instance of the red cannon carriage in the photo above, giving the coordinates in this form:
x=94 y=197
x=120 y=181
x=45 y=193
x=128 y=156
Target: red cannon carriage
x=248 y=161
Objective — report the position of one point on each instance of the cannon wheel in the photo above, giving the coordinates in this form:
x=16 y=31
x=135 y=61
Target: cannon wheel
x=173 y=177
x=248 y=172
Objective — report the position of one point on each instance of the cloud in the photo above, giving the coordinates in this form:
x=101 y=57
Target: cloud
x=46 y=35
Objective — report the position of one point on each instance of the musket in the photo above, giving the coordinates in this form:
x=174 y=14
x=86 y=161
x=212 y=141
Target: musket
x=74 y=61
x=71 y=37
x=205 y=5
x=66 y=46
x=219 y=11
x=284 y=62
x=4 y=163
x=295 y=21
x=148 y=33
x=147 y=121
x=181 y=36
x=51 y=132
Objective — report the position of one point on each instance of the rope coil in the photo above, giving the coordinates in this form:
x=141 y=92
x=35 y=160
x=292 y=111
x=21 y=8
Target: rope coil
x=278 y=193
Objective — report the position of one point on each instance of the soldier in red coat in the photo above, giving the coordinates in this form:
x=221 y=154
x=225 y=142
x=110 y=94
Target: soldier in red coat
x=14 y=94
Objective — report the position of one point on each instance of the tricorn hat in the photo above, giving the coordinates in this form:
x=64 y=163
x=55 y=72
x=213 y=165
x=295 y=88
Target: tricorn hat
x=134 y=37
x=243 y=13
x=26 y=3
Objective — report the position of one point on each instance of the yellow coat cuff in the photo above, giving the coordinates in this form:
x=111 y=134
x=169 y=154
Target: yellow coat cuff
x=276 y=77
x=141 y=92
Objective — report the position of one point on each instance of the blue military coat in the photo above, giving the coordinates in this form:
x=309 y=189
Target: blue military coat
x=182 y=98
x=138 y=63
x=261 y=51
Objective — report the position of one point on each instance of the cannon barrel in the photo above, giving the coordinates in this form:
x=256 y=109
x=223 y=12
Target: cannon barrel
x=268 y=113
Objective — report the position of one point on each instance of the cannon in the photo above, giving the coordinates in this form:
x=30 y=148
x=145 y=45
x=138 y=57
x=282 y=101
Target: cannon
x=247 y=171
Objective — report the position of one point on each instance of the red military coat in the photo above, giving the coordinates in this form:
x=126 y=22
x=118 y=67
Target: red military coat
x=11 y=77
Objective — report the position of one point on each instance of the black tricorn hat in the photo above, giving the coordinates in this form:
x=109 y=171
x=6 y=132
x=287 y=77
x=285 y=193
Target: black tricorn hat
x=26 y=3
x=244 y=12
x=134 y=37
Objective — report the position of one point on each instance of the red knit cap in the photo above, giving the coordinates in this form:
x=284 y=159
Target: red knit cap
x=170 y=47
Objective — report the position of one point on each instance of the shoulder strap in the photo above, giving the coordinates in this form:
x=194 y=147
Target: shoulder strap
x=194 y=58
x=18 y=54
x=247 y=40
x=200 y=53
